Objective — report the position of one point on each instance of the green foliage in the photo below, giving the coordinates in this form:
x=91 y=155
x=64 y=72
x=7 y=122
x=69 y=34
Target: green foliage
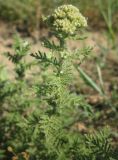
x=99 y=144
x=21 y=49
x=89 y=81
x=108 y=11
x=22 y=12
x=37 y=115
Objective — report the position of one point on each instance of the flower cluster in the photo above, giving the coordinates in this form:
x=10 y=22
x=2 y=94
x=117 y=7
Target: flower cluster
x=66 y=19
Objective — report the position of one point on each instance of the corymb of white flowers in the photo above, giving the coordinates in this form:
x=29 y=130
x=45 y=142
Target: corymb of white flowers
x=66 y=19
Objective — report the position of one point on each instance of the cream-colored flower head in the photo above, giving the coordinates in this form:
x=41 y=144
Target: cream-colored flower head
x=66 y=19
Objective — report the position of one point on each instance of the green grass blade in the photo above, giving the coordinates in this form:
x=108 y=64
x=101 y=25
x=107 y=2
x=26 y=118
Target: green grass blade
x=89 y=81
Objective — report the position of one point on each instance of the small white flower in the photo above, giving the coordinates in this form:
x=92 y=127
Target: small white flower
x=61 y=72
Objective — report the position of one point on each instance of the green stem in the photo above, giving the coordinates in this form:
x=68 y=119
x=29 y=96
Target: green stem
x=62 y=43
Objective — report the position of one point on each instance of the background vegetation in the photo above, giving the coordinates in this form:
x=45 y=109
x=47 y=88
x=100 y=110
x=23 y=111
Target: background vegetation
x=30 y=125
x=30 y=11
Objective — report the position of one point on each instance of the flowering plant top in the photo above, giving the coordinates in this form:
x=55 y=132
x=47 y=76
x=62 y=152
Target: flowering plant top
x=66 y=19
